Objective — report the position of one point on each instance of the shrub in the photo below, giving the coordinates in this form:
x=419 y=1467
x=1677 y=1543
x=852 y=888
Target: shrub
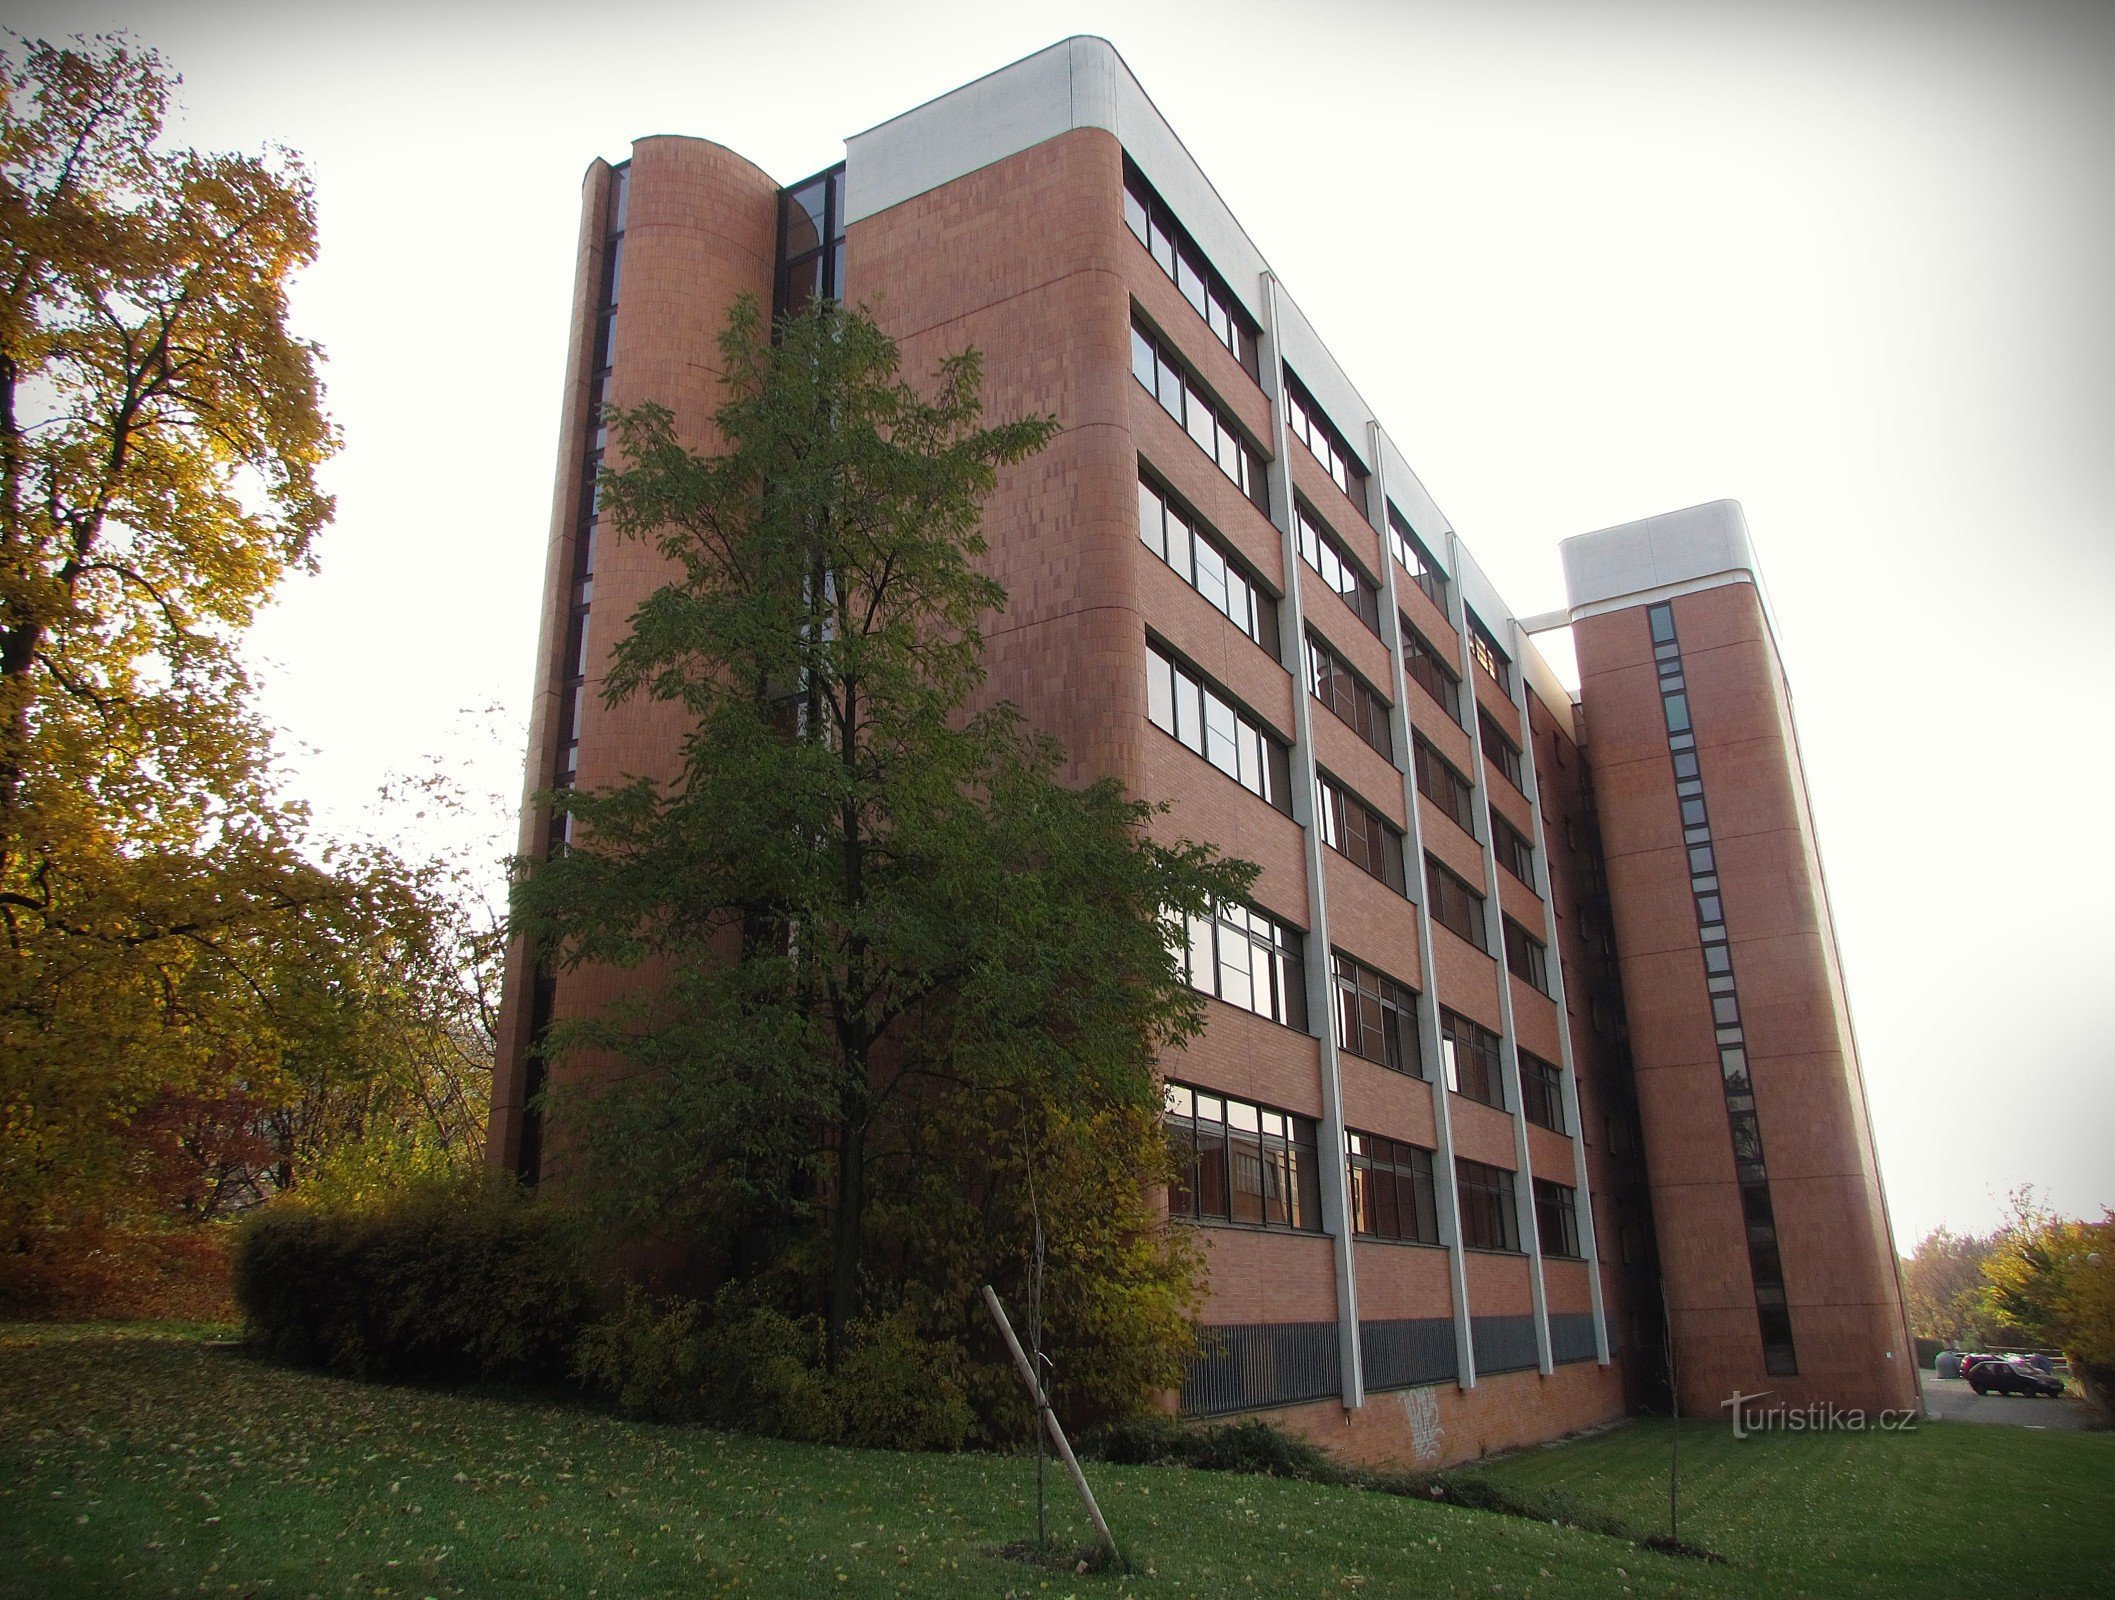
x=754 y=1369
x=456 y=1277
x=897 y=1391
x=1252 y=1447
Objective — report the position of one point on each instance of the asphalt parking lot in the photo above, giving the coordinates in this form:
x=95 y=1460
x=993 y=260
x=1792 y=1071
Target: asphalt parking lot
x=1952 y=1400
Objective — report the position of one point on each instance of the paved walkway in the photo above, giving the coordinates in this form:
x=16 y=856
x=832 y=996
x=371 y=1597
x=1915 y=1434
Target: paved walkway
x=1952 y=1400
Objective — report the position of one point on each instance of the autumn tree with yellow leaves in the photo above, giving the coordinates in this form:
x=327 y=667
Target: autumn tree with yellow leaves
x=167 y=932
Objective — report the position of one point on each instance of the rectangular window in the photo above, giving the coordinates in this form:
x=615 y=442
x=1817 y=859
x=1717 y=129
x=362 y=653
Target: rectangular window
x=1453 y=904
x=1391 y=1189
x=1324 y=552
x=1307 y=423
x=1526 y=958
x=1438 y=782
x=1410 y=552
x=1359 y=833
x=1376 y=1016
x=1181 y=704
x=1203 y=561
x=1177 y=254
x=1542 y=1092
x=1513 y=850
x=1556 y=1218
x=1423 y=667
x=1213 y=432
x=1248 y=959
x=1236 y=1161
x=1498 y=750
x=1484 y=651
x=811 y=247
x=1488 y=1218
x=1356 y=703
x=1470 y=1059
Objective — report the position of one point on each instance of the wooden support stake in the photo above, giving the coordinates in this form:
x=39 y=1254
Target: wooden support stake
x=1050 y=1423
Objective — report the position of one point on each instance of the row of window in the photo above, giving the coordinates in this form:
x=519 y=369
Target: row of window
x=1484 y=651
x=1359 y=833
x=1181 y=703
x=1453 y=904
x=1765 y=1262
x=1469 y=1059
x=1307 y=423
x=1422 y=666
x=1148 y=217
x=1526 y=958
x=1354 y=701
x=1376 y=1016
x=1202 y=561
x=1239 y=1162
x=1415 y=559
x=1438 y=782
x=1249 y=959
x=1325 y=552
x=1180 y=397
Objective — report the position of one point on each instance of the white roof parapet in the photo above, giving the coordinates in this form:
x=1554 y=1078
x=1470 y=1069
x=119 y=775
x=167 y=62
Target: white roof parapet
x=1695 y=548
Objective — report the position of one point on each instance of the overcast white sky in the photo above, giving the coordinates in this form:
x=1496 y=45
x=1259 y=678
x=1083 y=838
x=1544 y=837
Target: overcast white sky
x=1847 y=263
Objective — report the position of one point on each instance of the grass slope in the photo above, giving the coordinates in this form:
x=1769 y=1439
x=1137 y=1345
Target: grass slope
x=166 y=1467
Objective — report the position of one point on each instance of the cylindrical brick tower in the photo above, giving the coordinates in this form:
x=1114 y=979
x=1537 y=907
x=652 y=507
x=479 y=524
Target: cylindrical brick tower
x=668 y=242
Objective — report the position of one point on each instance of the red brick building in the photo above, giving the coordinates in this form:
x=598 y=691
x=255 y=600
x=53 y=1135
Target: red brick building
x=1536 y=1012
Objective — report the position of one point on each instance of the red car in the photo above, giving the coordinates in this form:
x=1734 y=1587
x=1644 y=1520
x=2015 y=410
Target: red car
x=1991 y=1376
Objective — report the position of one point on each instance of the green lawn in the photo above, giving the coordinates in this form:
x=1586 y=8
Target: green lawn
x=162 y=1466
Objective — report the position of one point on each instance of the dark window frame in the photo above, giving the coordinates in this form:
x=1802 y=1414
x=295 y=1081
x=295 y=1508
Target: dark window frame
x=1349 y=697
x=1217 y=719
x=1557 y=1219
x=1515 y=850
x=1252 y=607
x=1359 y=833
x=1500 y=751
x=1413 y=556
x=1264 y=951
x=1489 y=1206
x=1487 y=653
x=1283 y=1158
x=1394 y=1192
x=1375 y=1012
x=1178 y=392
x=1526 y=957
x=1454 y=904
x=1424 y=666
x=1472 y=1059
x=1542 y=1092
x=1331 y=560
x=1152 y=222
x=1306 y=421
x=1444 y=784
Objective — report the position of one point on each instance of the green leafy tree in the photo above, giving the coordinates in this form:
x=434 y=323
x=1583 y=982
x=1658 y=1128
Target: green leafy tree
x=893 y=962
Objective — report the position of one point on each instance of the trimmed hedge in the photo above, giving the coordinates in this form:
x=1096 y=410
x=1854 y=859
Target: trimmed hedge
x=455 y=1279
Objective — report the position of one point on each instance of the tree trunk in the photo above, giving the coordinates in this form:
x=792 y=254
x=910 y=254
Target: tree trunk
x=842 y=1304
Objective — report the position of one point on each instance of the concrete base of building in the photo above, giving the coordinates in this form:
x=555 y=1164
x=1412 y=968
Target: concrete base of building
x=1441 y=1425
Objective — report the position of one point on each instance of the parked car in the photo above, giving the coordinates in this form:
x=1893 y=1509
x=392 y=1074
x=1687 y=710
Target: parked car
x=2011 y=1377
